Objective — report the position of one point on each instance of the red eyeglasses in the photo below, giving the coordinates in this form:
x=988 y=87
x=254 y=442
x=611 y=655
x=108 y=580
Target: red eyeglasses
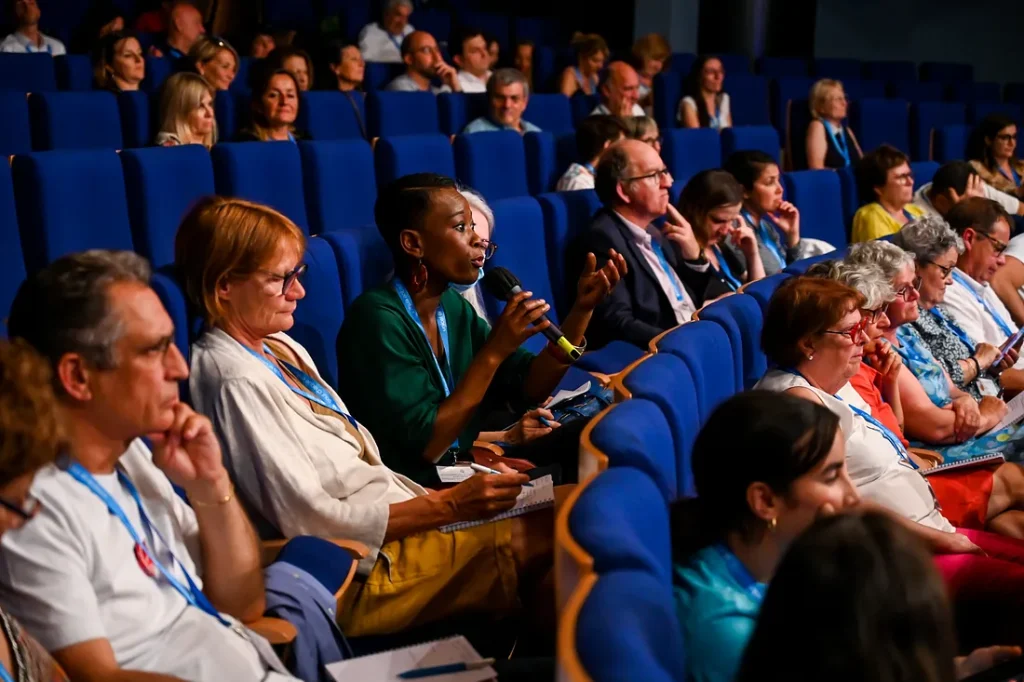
x=853 y=332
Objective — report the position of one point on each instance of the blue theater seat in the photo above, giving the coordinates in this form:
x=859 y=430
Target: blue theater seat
x=763 y=138
x=339 y=180
x=267 y=172
x=668 y=91
x=566 y=214
x=783 y=91
x=136 y=119
x=979 y=110
x=681 y=62
x=162 y=184
x=405 y=154
x=539 y=30
x=379 y=74
x=878 y=121
x=401 y=113
x=734 y=64
x=12 y=263
x=15 y=133
x=705 y=348
x=68 y=201
x=741 y=318
x=158 y=69
x=763 y=289
x=782 y=67
x=839 y=69
x=801 y=266
x=455 y=110
x=818 y=195
x=688 y=151
x=890 y=70
x=865 y=89
x=914 y=91
x=851 y=200
x=331 y=115
x=436 y=23
x=27 y=72
x=748 y=96
x=636 y=434
x=186 y=322
x=582 y=105
x=542 y=167
x=318 y=316
x=74 y=71
x=226 y=111
x=549 y=112
x=74 y=120
x=492 y=163
x=965 y=91
x=950 y=142
x=545 y=69
x=364 y=261
x=923 y=172
x=496 y=25
x=946 y=72
x=241 y=82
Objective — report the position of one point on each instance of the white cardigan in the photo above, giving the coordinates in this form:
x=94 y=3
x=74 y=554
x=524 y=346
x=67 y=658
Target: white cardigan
x=304 y=473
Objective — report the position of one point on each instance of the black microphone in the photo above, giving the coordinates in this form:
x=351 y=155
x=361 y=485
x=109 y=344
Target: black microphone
x=502 y=284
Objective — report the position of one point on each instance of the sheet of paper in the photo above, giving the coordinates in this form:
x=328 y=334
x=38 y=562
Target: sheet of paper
x=563 y=396
x=540 y=494
x=1014 y=413
x=386 y=666
x=454 y=474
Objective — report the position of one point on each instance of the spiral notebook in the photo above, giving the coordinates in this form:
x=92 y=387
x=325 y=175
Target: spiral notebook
x=963 y=463
x=387 y=665
x=538 y=496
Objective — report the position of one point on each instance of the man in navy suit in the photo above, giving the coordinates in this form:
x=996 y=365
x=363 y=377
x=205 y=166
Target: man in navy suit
x=668 y=276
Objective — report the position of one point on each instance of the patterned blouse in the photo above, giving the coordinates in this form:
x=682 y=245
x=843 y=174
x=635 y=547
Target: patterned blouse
x=30 y=661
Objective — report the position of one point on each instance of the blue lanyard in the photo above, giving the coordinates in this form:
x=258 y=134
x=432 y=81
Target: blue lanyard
x=4 y=675
x=988 y=306
x=764 y=230
x=291 y=138
x=839 y=140
x=909 y=216
x=740 y=573
x=395 y=41
x=660 y=253
x=192 y=594
x=1013 y=177
x=590 y=168
x=953 y=327
x=315 y=391
x=442 y=328
x=725 y=271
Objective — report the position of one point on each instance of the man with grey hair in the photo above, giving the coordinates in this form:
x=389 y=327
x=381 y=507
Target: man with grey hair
x=107 y=574
x=381 y=41
x=507 y=96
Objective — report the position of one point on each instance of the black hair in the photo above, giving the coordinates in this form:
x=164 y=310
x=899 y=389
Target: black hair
x=691 y=87
x=953 y=176
x=705 y=191
x=403 y=204
x=755 y=436
x=593 y=132
x=747 y=165
x=460 y=35
x=873 y=170
x=987 y=128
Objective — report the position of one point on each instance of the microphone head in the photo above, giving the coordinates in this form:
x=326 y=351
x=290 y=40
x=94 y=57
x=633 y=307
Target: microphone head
x=499 y=283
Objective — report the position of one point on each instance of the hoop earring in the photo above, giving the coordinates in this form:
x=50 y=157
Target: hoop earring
x=419 y=276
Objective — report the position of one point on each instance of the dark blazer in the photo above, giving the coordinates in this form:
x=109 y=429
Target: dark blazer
x=638 y=309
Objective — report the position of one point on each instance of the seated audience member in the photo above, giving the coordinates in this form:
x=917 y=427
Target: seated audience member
x=958 y=180
x=885 y=184
x=472 y=58
x=776 y=223
x=594 y=135
x=186 y=112
x=665 y=277
x=1008 y=281
x=184 y=27
x=294 y=60
x=275 y=106
x=619 y=89
x=591 y=53
x=493 y=50
x=645 y=129
x=154 y=20
x=381 y=41
x=650 y=52
x=483 y=224
x=507 y=97
x=27 y=37
x=348 y=66
x=711 y=202
x=784 y=466
x=891 y=603
x=969 y=362
x=262 y=43
x=439 y=370
x=119 y=65
x=100 y=19
x=31 y=438
x=523 y=60
x=991 y=150
x=305 y=466
x=424 y=63
x=705 y=104
x=830 y=141
x=88 y=575
x=215 y=60
x=813 y=328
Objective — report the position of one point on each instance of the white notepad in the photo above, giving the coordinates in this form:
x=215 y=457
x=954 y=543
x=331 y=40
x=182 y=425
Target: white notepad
x=964 y=463
x=537 y=496
x=387 y=665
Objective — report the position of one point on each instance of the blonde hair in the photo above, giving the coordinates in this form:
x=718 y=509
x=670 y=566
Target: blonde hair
x=180 y=96
x=31 y=434
x=224 y=238
x=638 y=126
x=651 y=46
x=207 y=47
x=819 y=94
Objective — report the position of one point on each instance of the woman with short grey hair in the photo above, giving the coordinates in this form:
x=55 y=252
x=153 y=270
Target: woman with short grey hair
x=890 y=258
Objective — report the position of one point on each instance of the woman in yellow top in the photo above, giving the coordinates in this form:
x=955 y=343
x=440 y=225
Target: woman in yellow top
x=886 y=186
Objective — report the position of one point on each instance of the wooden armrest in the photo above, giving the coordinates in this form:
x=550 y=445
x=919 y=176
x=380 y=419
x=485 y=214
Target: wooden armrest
x=493 y=448
x=274 y=630
x=602 y=378
x=269 y=549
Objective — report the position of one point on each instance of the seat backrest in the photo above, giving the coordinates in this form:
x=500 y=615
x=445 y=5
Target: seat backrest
x=836 y=68
x=456 y=109
x=401 y=113
x=68 y=201
x=74 y=120
x=477 y=163
x=705 y=348
x=923 y=172
x=926 y=117
x=158 y=69
x=549 y=112
x=748 y=97
x=801 y=266
x=339 y=180
x=950 y=142
x=74 y=71
x=851 y=200
x=741 y=318
x=331 y=115
x=980 y=109
x=437 y=23
x=379 y=74
x=15 y=133
x=891 y=70
x=566 y=214
x=136 y=119
x=496 y=25
x=761 y=137
x=161 y=185
x=734 y=64
x=27 y=72
x=12 y=261
x=783 y=67
x=405 y=154
x=665 y=380
x=668 y=91
x=319 y=315
x=818 y=195
x=582 y=105
x=878 y=121
x=267 y=172
x=688 y=151
x=225 y=110
x=763 y=289
x=946 y=72
x=784 y=90
x=364 y=260
x=636 y=434
x=168 y=288
x=542 y=168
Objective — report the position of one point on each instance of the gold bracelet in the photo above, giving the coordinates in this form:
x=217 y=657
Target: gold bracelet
x=222 y=501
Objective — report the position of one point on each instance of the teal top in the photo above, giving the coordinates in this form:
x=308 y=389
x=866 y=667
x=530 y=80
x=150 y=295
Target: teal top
x=388 y=378
x=718 y=612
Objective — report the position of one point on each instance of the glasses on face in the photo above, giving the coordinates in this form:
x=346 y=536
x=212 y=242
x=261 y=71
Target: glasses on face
x=870 y=316
x=997 y=245
x=288 y=278
x=1007 y=137
x=905 y=178
x=26 y=512
x=490 y=248
x=945 y=270
x=854 y=332
x=907 y=292
x=658 y=175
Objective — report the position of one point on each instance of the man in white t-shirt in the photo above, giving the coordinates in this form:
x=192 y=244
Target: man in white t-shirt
x=117 y=575
x=472 y=58
x=27 y=37
x=382 y=41
x=620 y=91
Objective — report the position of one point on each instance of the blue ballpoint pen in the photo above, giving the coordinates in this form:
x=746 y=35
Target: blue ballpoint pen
x=445 y=669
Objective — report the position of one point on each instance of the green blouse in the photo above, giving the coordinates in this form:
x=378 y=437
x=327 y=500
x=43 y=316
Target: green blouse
x=389 y=381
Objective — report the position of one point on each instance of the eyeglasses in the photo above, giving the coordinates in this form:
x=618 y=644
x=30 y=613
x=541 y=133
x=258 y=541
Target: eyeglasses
x=1007 y=137
x=657 y=175
x=31 y=508
x=490 y=248
x=997 y=245
x=905 y=178
x=906 y=292
x=854 y=332
x=288 y=278
x=942 y=268
x=871 y=315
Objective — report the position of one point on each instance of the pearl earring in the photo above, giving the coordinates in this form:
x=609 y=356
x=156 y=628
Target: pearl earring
x=810 y=356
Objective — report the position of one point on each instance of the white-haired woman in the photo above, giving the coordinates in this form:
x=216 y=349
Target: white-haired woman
x=830 y=142
x=483 y=225
x=186 y=112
